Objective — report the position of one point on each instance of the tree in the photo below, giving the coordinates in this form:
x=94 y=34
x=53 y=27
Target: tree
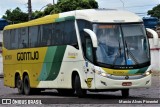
x=155 y=12
x=69 y=5
x=66 y=5
x=15 y=16
x=52 y=10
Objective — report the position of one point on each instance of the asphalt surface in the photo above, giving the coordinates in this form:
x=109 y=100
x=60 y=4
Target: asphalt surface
x=101 y=99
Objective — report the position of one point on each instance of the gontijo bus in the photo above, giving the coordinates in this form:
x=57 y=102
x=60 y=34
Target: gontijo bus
x=76 y=51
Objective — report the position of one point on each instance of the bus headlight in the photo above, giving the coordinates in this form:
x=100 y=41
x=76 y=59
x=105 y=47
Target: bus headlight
x=147 y=73
x=104 y=74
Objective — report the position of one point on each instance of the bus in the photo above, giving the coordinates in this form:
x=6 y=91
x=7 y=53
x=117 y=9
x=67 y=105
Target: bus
x=78 y=51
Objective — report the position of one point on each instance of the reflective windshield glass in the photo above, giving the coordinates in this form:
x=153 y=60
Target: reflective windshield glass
x=110 y=44
x=123 y=44
x=136 y=45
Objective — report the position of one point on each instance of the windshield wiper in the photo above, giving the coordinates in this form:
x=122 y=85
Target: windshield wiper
x=130 y=53
x=118 y=53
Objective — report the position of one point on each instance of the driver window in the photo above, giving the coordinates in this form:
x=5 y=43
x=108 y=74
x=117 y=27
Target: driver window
x=88 y=50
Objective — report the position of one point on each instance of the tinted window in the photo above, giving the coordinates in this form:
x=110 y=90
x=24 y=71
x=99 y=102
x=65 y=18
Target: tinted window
x=23 y=40
x=33 y=36
x=58 y=35
x=70 y=37
x=6 y=39
x=82 y=24
x=14 y=38
x=46 y=32
x=61 y=33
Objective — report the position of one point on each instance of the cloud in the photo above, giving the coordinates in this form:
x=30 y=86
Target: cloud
x=132 y=5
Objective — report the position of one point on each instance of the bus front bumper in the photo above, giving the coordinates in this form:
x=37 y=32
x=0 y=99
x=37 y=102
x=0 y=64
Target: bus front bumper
x=107 y=83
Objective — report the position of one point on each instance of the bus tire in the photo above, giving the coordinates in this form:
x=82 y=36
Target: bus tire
x=67 y=92
x=125 y=93
x=79 y=91
x=19 y=85
x=26 y=84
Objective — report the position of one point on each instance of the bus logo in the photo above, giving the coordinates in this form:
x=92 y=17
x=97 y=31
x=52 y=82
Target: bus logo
x=28 y=56
x=89 y=82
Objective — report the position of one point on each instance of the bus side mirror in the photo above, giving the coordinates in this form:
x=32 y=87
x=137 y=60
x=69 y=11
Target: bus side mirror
x=155 y=36
x=93 y=37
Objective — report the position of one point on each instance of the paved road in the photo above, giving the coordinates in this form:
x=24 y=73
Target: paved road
x=92 y=98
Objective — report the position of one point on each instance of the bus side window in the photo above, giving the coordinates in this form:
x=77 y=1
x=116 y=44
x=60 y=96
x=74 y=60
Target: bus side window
x=23 y=38
x=70 y=37
x=6 y=39
x=14 y=39
x=33 y=36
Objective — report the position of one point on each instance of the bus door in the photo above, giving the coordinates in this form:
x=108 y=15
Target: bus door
x=88 y=50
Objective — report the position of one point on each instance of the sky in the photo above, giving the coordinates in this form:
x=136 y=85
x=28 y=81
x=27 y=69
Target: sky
x=137 y=6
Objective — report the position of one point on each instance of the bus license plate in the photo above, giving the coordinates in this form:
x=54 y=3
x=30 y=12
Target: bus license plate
x=126 y=83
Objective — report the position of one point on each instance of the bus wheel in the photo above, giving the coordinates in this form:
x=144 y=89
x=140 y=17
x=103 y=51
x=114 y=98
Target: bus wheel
x=125 y=93
x=19 y=85
x=79 y=91
x=67 y=92
x=26 y=83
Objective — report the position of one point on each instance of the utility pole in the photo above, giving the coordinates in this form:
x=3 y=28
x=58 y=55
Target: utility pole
x=29 y=10
x=53 y=2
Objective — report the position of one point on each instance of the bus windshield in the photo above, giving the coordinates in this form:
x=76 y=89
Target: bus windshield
x=121 y=44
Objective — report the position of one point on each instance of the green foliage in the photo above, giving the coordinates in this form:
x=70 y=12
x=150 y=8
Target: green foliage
x=15 y=16
x=51 y=10
x=155 y=12
x=68 y=5
x=37 y=14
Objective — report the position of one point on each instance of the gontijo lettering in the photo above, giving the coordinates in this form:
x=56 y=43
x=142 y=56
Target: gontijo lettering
x=27 y=56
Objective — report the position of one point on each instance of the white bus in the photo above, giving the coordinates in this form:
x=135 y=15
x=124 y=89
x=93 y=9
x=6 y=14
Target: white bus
x=76 y=51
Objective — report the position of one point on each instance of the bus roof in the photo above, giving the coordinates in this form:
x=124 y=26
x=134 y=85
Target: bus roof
x=93 y=15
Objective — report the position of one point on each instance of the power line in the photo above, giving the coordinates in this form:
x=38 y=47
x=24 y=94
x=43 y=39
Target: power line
x=122 y=3
x=142 y=6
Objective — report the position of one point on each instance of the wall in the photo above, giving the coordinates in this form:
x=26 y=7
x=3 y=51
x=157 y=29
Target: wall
x=155 y=55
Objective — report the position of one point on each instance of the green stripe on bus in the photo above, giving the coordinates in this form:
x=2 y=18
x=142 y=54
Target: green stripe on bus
x=57 y=61
x=52 y=63
x=138 y=71
x=70 y=18
x=142 y=70
x=60 y=19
